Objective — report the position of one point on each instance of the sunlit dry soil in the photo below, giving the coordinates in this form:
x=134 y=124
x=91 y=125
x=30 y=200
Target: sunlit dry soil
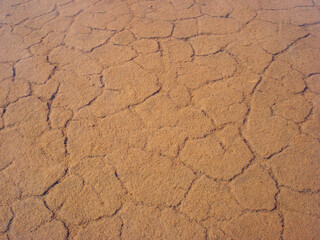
x=164 y=119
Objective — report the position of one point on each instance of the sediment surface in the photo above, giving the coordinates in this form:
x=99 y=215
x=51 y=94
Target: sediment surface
x=164 y=119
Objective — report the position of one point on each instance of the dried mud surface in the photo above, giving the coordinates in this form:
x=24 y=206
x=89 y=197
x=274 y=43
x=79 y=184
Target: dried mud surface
x=164 y=119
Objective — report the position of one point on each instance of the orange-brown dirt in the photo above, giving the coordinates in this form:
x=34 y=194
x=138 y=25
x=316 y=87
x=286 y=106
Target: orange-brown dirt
x=162 y=119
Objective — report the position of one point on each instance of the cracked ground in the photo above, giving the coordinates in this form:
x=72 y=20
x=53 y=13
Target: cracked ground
x=163 y=119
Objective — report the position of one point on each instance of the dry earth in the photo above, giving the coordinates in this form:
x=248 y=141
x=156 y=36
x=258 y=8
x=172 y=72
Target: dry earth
x=165 y=119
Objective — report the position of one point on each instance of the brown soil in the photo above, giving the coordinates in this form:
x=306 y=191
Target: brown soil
x=163 y=119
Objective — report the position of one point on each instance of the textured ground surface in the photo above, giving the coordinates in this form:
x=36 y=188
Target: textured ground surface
x=169 y=119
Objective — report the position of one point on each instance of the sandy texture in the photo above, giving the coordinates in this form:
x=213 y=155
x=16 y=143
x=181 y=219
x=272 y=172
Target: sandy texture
x=159 y=119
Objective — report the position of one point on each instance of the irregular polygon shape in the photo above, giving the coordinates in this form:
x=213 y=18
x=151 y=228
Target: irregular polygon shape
x=217 y=25
x=35 y=69
x=153 y=179
x=111 y=54
x=29 y=214
x=302 y=174
x=29 y=113
x=299 y=226
x=105 y=228
x=208 y=155
x=208 y=198
x=76 y=91
x=255 y=189
x=147 y=28
x=304 y=203
x=255 y=225
x=185 y=28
